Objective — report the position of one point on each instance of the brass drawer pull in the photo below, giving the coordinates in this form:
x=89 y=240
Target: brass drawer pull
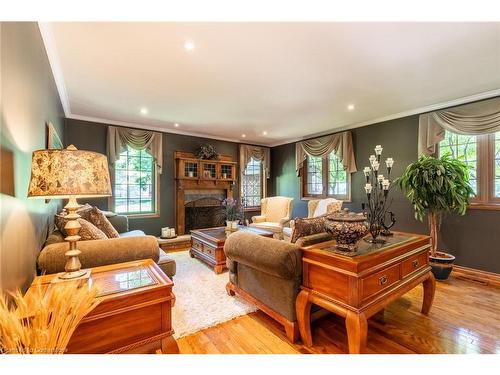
x=415 y=263
x=383 y=280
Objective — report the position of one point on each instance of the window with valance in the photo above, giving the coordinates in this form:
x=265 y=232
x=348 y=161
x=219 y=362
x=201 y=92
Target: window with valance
x=135 y=157
x=325 y=165
x=470 y=133
x=254 y=170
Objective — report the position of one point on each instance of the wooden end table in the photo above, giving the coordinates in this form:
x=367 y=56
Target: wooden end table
x=134 y=313
x=358 y=286
x=208 y=245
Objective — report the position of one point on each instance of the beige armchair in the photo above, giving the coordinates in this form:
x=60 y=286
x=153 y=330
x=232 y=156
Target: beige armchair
x=315 y=208
x=275 y=214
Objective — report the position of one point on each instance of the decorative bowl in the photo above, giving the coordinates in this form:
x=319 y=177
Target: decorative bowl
x=347 y=228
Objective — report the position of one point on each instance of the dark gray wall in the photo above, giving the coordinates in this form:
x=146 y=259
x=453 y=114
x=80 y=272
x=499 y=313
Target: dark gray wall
x=92 y=136
x=474 y=238
x=29 y=100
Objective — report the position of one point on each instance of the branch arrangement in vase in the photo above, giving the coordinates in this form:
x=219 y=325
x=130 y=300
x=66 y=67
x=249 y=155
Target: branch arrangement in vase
x=377 y=189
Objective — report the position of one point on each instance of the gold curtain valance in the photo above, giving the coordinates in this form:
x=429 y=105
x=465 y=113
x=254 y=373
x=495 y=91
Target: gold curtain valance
x=340 y=143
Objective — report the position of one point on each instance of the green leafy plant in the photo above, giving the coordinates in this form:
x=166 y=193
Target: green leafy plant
x=435 y=186
x=207 y=152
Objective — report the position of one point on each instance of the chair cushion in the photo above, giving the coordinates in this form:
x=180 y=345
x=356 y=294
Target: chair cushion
x=167 y=264
x=270 y=226
x=287 y=231
x=133 y=233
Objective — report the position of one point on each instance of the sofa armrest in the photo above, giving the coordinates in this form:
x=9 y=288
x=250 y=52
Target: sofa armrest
x=258 y=219
x=97 y=253
x=313 y=239
x=274 y=257
x=119 y=222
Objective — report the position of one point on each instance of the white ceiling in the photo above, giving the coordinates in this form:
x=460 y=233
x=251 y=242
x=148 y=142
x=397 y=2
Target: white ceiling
x=290 y=79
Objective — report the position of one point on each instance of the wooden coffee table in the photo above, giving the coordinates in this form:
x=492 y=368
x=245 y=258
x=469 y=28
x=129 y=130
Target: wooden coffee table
x=134 y=313
x=208 y=245
x=356 y=287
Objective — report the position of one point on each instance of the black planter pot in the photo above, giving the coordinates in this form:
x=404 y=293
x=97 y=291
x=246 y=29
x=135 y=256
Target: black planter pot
x=442 y=266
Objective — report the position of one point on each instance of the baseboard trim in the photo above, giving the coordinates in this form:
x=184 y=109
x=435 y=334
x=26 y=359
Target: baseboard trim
x=484 y=277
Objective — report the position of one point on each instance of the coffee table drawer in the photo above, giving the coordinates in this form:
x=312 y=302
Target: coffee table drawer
x=197 y=245
x=379 y=281
x=413 y=264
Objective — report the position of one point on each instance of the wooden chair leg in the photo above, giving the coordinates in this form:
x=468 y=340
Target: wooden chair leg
x=230 y=289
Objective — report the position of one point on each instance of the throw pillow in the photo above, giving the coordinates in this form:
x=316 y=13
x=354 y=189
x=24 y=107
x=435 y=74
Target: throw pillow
x=308 y=226
x=327 y=206
x=88 y=231
x=99 y=219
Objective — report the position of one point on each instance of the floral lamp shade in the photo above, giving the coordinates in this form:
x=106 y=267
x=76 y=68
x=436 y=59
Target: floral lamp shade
x=69 y=173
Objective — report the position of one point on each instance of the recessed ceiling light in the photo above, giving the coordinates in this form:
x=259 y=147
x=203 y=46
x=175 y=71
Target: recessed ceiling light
x=176 y=125
x=350 y=107
x=264 y=133
x=144 y=111
x=189 y=45
x=243 y=136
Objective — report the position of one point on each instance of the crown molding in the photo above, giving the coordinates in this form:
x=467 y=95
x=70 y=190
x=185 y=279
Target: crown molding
x=160 y=129
x=53 y=56
x=411 y=112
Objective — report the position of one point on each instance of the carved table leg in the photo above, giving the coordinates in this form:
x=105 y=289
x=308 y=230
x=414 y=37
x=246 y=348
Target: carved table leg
x=357 y=330
x=429 y=288
x=169 y=345
x=303 y=310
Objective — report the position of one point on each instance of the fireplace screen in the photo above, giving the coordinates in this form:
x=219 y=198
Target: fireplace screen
x=203 y=213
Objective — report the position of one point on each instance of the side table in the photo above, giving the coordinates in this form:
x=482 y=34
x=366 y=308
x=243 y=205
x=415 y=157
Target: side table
x=356 y=286
x=134 y=314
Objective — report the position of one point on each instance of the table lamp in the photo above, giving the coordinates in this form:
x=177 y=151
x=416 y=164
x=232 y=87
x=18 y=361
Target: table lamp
x=70 y=174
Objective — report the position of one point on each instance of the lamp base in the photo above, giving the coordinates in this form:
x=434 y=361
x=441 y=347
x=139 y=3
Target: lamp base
x=72 y=276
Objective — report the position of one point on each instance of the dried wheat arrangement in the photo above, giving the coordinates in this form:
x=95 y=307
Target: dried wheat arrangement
x=45 y=323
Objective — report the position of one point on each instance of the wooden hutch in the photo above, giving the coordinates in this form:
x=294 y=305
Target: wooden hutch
x=201 y=174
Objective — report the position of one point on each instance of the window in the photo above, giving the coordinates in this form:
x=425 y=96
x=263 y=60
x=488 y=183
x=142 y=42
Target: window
x=496 y=165
x=325 y=177
x=252 y=184
x=482 y=154
x=463 y=147
x=135 y=183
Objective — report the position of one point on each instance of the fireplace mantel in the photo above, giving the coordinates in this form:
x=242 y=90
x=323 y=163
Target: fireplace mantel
x=200 y=174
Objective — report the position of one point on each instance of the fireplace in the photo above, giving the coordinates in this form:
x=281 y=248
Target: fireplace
x=203 y=213
x=202 y=208
x=201 y=185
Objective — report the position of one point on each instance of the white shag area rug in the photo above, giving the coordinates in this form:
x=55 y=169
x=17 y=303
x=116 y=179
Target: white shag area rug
x=201 y=298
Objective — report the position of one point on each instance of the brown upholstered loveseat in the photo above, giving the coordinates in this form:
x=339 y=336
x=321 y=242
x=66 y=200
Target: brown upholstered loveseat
x=268 y=273
x=132 y=245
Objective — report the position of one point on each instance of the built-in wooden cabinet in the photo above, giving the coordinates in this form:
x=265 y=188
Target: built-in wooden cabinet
x=188 y=167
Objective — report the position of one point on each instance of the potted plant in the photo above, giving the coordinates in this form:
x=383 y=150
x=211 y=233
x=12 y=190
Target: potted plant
x=231 y=212
x=436 y=186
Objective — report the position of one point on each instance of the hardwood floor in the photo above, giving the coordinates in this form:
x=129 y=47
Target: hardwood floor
x=465 y=318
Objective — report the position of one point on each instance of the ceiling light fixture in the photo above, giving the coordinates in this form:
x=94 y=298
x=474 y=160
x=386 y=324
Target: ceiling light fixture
x=189 y=45
x=264 y=132
x=144 y=111
x=243 y=136
x=176 y=125
x=350 y=107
